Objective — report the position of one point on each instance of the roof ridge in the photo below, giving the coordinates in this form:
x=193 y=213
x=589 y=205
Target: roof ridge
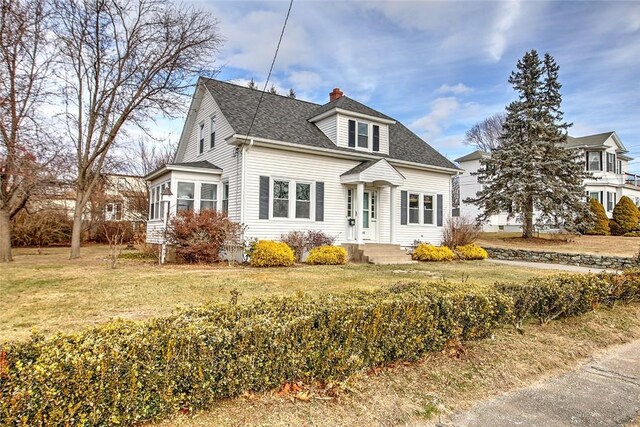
x=259 y=91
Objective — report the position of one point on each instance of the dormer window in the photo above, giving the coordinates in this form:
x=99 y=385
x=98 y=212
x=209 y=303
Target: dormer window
x=363 y=135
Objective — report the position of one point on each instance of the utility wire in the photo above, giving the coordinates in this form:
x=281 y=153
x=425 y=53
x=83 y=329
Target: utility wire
x=270 y=69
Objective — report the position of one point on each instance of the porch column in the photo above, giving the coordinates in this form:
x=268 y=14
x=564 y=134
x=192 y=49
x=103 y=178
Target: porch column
x=360 y=213
x=392 y=214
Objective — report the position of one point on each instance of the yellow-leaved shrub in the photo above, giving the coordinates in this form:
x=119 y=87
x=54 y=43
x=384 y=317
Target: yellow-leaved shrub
x=471 y=251
x=267 y=253
x=327 y=255
x=426 y=252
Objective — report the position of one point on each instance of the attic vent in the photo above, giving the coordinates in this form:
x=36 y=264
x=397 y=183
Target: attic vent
x=335 y=94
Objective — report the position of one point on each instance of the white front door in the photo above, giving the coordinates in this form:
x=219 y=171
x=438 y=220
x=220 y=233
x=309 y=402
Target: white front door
x=370 y=215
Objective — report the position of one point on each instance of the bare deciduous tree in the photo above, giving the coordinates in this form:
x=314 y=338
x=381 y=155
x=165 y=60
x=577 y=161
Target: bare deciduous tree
x=486 y=135
x=25 y=152
x=123 y=63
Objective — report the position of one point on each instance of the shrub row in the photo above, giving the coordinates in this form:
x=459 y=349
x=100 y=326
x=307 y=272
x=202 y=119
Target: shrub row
x=127 y=372
x=426 y=252
x=563 y=295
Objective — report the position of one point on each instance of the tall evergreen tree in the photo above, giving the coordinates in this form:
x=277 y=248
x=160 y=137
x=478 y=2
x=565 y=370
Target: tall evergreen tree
x=532 y=170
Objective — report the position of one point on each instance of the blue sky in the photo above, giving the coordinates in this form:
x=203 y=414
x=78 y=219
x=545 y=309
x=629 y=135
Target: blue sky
x=440 y=67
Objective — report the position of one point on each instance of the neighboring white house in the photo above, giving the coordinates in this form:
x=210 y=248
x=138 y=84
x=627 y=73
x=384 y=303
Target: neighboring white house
x=341 y=167
x=604 y=156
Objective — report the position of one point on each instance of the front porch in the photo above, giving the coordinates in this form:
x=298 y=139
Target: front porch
x=371 y=203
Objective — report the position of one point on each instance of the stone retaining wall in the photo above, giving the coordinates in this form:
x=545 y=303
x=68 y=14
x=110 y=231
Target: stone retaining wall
x=584 y=260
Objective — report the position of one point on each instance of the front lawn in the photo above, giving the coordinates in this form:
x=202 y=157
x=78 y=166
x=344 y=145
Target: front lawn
x=49 y=292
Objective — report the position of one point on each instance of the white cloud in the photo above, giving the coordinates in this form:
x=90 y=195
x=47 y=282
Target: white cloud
x=455 y=89
x=433 y=123
x=509 y=13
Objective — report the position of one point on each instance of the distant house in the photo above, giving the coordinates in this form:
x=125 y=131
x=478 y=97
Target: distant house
x=342 y=167
x=604 y=156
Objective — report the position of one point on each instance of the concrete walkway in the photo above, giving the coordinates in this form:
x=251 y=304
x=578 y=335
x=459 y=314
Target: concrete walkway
x=549 y=266
x=602 y=392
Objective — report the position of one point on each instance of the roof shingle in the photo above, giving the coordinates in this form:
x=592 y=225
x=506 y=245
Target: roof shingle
x=281 y=118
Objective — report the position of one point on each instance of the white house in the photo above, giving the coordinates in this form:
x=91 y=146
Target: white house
x=341 y=167
x=605 y=157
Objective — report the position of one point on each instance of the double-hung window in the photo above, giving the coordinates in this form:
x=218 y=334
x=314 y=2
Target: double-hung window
x=594 y=161
x=363 y=135
x=186 y=196
x=414 y=208
x=303 y=200
x=225 y=197
x=208 y=196
x=212 y=132
x=594 y=195
x=611 y=162
x=280 y=199
x=427 y=209
x=201 y=139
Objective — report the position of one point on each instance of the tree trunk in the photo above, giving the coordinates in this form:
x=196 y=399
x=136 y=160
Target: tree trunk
x=527 y=227
x=76 y=230
x=5 y=236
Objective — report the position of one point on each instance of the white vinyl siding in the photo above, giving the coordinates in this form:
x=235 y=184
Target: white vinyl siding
x=328 y=126
x=224 y=155
x=302 y=167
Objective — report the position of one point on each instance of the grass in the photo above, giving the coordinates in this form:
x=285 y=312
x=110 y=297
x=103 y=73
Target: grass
x=598 y=245
x=427 y=392
x=51 y=293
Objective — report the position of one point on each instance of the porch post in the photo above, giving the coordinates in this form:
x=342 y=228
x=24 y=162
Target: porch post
x=360 y=213
x=392 y=214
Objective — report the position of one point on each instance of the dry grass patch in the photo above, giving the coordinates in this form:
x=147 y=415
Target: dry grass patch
x=52 y=293
x=598 y=245
x=423 y=393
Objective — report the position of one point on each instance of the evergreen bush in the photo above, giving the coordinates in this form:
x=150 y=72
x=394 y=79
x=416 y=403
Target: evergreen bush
x=625 y=213
x=327 y=255
x=601 y=221
x=427 y=252
x=267 y=253
x=471 y=251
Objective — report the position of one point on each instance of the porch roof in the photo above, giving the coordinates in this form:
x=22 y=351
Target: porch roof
x=373 y=171
x=203 y=166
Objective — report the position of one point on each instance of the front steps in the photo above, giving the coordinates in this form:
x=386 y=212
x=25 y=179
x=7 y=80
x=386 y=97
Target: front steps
x=377 y=253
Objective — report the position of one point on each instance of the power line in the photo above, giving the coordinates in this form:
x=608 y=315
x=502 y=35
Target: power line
x=270 y=69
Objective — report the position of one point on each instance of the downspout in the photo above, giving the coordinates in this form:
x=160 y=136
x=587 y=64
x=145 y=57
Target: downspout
x=245 y=150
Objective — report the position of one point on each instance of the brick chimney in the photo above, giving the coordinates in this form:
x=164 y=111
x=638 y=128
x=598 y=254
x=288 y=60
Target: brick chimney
x=335 y=94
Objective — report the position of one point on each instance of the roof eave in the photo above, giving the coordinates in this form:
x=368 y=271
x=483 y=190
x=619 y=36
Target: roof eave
x=170 y=168
x=237 y=139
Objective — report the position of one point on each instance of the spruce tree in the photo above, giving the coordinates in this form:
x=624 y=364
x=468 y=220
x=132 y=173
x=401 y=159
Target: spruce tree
x=532 y=171
x=252 y=84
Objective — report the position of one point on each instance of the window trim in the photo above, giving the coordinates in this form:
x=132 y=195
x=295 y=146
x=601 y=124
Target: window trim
x=611 y=162
x=366 y=126
x=434 y=204
x=156 y=208
x=599 y=153
x=273 y=199
x=417 y=208
x=291 y=205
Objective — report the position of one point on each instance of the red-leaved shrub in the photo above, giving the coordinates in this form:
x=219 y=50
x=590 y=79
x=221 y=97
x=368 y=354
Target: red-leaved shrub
x=199 y=236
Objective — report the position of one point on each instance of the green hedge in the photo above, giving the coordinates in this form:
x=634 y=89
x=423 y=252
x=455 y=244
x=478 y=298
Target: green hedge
x=126 y=372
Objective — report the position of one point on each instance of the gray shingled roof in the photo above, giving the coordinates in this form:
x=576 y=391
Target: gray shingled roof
x=346 y=103
x=286 y=119
x=589 y=140
x=203 y=164
x=362 y=166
